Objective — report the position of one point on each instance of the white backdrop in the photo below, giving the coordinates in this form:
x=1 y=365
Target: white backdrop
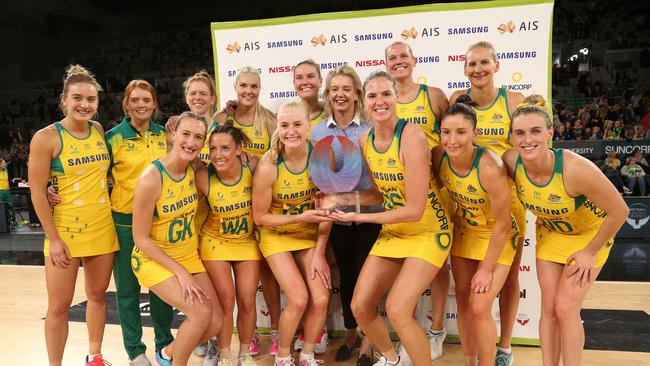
x=439 y=36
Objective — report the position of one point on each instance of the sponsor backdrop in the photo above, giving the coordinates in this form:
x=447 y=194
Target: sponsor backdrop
x=597 y=149
x=439 y=36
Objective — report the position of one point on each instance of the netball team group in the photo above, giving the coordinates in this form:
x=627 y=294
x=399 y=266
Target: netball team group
x=205 y=208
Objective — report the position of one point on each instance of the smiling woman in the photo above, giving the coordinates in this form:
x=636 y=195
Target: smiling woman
x=79 y=228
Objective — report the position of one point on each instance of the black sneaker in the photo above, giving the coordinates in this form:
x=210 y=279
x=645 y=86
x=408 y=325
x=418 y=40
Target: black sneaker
x=364 y=360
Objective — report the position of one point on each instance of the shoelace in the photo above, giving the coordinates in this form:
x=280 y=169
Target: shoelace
x=274 y=337
x=501 y=360
x=311 y=361
x=285 y=362
x=382 y=360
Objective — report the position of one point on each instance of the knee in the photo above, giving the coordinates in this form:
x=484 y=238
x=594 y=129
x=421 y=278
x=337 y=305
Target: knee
x=246 y=305
x=567 y=312
x=297 y=300
x=200 y=314
x=397 y=312
x=58 y=309
x=96 y=296
x=228 y=305
x=361 y=310
x=216 y=322
x=320 y=301
x=480 y=308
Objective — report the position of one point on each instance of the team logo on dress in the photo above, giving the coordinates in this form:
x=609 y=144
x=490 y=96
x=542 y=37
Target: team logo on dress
x=521 y=189
x=320 y=40
x=248 y=190
x=130 y=146
x=191 y=183
x=161 y=145
x=257 y=133
x=554 y=198
x=235 y=47
x=220 y=196
x=135 y=263
x=300 y=181
x=233 y=194
x=87 y=146
x=447 y=179
x=391 y=163
x=380 y=162
x=509 y=27
x=286 y=184
x=537 y=195
x=409 y=33
x=74 y=150
x=419 y=109
x=170 y=194
x=100 y=144
x=497 y=118
x=471 y=189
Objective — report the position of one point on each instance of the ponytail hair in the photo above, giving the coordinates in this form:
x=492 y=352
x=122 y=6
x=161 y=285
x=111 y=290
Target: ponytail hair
x=464 y=107
x=533 y=104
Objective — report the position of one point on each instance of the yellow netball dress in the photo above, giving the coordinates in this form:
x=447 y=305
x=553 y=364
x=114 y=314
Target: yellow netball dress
x=419 y=112
x=564 y=224
x=260 y=139
x=293 y=193
x=83 y=218
x=229 y=233
x=493 y=124
x=314 y=121
x=474 y=221
x=172 y=229
x=428 y=239
x=204 y=155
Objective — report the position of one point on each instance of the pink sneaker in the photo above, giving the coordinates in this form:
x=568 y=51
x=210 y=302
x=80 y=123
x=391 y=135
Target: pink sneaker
x=97 y=361
x=309 y=360
x=254 y=347
x=321 y=346
x=275 y=339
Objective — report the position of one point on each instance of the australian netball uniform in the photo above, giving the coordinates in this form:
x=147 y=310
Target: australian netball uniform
x=293 y=193
x=229 y=233
x=428 y=239
x=172 y=229
x=314 y=121
x=204 y=155
x=564 y=224
x=83 y=218
x=260 y=141
x=493 y=124
x=419 y=112
x=474 y=221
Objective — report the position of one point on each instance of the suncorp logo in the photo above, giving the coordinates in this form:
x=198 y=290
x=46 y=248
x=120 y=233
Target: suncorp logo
x=467 y=30
x=511 y=27
x=517 y=78
x=372 y=37
x=246 y=46
x=284 y=43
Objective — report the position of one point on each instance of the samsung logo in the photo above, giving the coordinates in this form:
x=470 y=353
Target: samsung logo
x=332 y=65
x=427 y=59
x=283 y=44
x=467 y=30
x=283 y=94
x=458 y=84
x=516 y=55
x=372 y=37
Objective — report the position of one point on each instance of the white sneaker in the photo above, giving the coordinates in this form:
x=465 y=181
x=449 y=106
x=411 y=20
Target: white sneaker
x=141 y=360
x=224 y=362
x=201 y=349
x=384 y=362
x=297 y=345
x=435 y=342
x=245 y=359
x=309 y=360
x=404 y=356
x=321 y=347
x=212 y=355
x=288 y=361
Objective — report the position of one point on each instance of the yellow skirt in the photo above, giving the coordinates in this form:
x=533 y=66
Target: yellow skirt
x=471 y=246
x=556 y=247
x=273 y=242
x=433 y=247
x=218 y=249
x=150 y=273
x=87 y=238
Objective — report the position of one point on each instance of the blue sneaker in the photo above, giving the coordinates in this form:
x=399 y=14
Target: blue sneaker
x=503 y=359
x=161 y=361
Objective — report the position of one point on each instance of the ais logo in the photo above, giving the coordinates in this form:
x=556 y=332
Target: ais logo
x=247 y=46
x=511 y=27
x=424 y=33
x=322 y=40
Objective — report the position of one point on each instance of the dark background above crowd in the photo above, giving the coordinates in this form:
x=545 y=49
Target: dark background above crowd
x=600 y=76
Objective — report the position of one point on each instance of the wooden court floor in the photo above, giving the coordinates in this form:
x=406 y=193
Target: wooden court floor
x=23 y=303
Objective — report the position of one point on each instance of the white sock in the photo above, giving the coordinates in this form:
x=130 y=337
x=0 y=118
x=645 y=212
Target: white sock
x=505 y=350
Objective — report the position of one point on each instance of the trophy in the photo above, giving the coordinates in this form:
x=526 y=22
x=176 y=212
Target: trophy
x=336 y=176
